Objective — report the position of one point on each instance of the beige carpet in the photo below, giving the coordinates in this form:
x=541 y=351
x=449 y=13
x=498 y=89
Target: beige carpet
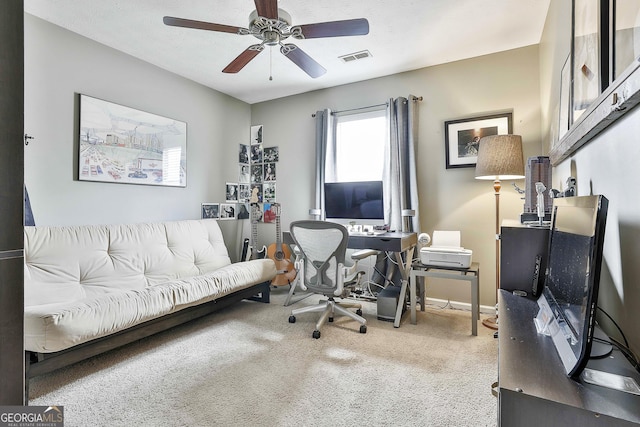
x=247 y=366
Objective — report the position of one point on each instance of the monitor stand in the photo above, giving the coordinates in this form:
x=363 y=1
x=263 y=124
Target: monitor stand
x=600 y=349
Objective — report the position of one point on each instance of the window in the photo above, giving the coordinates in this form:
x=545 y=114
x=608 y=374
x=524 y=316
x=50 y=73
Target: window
x=359 y=147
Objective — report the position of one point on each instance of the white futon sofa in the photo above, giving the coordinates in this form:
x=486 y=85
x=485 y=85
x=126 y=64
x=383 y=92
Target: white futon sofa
x=91 y=288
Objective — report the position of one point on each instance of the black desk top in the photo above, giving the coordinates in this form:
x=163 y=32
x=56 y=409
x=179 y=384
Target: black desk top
x=529 y=364
x=391 y=241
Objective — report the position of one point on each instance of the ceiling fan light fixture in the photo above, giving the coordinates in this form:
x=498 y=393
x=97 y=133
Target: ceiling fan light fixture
x=271 y=38
x=272 y=26
x=258 y=25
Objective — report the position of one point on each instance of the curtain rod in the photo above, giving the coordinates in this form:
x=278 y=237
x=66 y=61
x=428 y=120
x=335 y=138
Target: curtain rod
x=413 y=98
x=360 y=108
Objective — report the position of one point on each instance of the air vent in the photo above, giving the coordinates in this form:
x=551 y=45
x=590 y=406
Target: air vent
x=354 y=56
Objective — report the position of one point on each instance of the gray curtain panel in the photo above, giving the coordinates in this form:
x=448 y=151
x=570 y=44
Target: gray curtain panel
x=401 y=188
x=325 y=148
x=399 y=176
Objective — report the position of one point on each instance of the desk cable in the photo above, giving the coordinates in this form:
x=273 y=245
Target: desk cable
x=624 y=348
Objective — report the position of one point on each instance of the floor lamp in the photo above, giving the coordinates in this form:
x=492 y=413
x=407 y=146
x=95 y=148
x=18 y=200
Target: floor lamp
x=499 y=158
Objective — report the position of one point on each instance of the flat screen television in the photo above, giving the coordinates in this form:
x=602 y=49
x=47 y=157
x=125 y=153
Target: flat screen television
x=568 y=301
x=353 y=200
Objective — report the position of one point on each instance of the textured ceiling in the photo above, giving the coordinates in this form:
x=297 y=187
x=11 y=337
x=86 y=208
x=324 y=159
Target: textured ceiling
x=404 y=35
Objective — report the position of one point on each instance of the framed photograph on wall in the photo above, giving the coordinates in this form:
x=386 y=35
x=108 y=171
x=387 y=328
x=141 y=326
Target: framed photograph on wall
x=269 y=192
x=227 y=210
x=244 y=174
x=256 y=135
x=124 y=145
x=242 y=211
x=256 y=153
x=626 y=35
x=231 y=192
x=244 y=193
x=588 y=67
x=210 y=210
x=564 y=121
x=271 y=154
x=243 y=154
x=462 y=136
x=257 y=173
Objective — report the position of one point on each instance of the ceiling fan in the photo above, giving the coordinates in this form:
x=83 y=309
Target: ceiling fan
x=273 y=26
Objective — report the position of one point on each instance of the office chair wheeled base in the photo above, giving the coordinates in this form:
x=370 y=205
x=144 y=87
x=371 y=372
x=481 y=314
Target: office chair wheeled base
x=328 y=309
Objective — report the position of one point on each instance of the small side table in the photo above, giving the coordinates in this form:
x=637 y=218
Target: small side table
x=471 y=274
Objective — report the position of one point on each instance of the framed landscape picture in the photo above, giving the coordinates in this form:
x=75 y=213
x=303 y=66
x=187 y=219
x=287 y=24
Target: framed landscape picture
x=124 y=145
x=462 y=137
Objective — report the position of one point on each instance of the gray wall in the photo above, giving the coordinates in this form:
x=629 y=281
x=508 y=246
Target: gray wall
x=60 y=64
x=606 y=165
x=449 y=199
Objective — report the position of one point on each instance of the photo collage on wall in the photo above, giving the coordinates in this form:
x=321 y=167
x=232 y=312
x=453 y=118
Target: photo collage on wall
x=257 y=173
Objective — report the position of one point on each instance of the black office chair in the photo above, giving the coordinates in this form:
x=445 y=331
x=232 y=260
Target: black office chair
x=321 y=269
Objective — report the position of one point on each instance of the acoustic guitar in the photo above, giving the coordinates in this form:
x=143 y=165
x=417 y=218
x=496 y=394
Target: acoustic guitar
x=281 y=255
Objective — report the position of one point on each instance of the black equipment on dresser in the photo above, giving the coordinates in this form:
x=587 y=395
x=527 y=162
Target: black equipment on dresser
x=523 y=257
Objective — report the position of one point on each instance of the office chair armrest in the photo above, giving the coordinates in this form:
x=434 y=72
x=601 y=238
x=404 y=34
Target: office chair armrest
x=351 y=275
x=363 y=253
x=347 y=272
x=297 y=253
x=299 y=266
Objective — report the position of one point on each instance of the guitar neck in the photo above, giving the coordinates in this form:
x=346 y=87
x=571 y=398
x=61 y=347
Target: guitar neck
x=254 y=234
x=278 y=231
x=254 y=229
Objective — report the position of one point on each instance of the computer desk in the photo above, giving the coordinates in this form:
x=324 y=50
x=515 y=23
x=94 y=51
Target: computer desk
x=401 y=244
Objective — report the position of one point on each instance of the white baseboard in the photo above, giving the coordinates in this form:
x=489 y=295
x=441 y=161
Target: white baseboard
x=484 y=309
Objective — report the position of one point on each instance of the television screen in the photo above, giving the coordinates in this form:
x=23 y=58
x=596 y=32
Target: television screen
x=353 y=200
x=573 y=276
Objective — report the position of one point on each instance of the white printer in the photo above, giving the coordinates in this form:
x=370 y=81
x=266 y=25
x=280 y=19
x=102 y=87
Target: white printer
x=446 y=251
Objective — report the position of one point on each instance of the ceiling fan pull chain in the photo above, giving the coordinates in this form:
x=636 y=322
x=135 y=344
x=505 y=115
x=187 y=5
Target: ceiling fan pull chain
x=270 y=63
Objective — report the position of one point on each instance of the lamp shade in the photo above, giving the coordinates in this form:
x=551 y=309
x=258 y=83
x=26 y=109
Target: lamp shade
x=500 y=157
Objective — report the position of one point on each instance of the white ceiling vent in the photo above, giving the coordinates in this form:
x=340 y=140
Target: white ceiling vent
x=354 y=56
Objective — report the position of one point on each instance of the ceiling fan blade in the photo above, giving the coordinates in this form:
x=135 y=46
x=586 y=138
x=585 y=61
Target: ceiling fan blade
x=200 y=25
x=302 y=60
x=244 y=58
x=348 y=27
x=267 y=8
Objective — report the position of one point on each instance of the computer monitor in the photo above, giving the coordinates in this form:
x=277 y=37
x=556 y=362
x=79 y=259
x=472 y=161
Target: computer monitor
x=570 y=295
x=354 y=201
